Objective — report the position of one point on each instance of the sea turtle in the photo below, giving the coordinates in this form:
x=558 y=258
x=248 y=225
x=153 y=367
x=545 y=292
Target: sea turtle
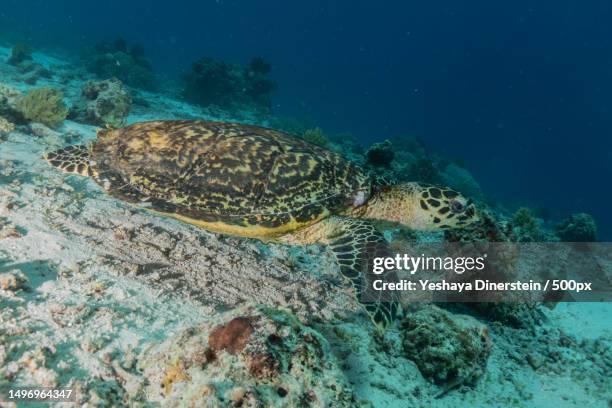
x=260 y=183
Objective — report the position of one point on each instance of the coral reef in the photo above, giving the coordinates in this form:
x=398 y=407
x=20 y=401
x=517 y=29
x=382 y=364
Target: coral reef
x=229 y=86
x=316 y=136
x=380 y=154
x=102 y=103
x=579 y=227
x=110 y=59
x=19 y=53
x=448 y=349
x=44 y=105
x=255 y=357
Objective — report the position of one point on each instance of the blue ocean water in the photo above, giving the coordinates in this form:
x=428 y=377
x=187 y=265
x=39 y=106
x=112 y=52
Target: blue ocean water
x=518 y=90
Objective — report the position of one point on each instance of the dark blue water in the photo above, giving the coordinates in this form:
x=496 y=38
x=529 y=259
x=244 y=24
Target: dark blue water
x=520 y=90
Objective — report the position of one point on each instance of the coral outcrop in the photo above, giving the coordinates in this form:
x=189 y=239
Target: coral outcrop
x=255 y=357
x=381 y=154
x=579 y=227
x=230 y=86
x=117 y=59
x=102 y=103
x=44 y=105
x=448 y=349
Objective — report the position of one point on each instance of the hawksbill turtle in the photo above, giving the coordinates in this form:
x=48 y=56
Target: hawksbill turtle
x=260 y=183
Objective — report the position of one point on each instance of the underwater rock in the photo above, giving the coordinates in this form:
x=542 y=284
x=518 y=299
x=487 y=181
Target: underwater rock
x=450 y=350
x=20 y=53
x=117 y=59
x=381 y=154
x=579 y=227
x=255 y=357
x=102 y=103
x=44 y=105
x=229 y=86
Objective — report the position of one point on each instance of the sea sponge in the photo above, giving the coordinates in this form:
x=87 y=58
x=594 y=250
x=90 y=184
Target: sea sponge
x=232 y=337
x=579 y=227
x=102 y=103
x=316 y=136
x=44 y=105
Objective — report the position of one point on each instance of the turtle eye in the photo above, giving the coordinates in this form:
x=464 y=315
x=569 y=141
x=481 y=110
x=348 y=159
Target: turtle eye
x=456 y=206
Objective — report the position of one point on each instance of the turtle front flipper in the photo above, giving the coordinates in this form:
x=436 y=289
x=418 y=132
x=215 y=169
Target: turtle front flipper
x=71 y=159
x=355 y=243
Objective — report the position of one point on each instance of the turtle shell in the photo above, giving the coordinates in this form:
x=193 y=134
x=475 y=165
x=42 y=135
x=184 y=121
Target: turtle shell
x=226 y=176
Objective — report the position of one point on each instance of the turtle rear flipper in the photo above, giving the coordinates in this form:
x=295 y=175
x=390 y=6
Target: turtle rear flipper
x=71 y=159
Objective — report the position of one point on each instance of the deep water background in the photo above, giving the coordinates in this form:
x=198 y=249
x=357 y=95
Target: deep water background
x=521 y=91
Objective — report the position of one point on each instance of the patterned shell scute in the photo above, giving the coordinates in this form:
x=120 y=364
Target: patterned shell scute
x=232 y=173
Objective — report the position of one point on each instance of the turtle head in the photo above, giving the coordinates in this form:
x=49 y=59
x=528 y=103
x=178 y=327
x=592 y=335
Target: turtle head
x=438 y=207
x=422 y=207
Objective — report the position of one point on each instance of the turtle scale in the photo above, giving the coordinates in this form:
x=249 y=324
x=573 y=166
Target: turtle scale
x=225 y=175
